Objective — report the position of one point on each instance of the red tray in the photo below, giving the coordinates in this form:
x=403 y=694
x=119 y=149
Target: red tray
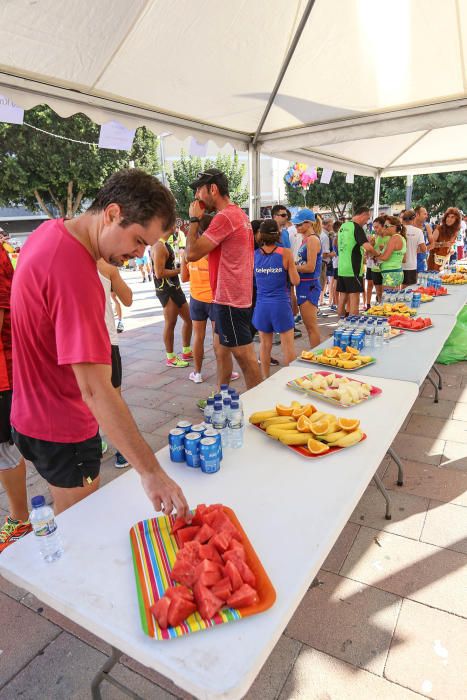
x=375 y=391
x=301 y=450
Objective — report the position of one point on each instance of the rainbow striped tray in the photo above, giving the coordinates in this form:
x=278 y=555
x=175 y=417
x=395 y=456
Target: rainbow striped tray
x=154 y=552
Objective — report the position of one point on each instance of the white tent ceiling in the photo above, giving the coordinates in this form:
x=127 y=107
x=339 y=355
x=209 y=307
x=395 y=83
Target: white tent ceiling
x=372 y=85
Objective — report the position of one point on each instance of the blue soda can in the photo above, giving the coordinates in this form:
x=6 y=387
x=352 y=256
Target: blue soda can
x=345 y=339
x=177 y=445
x=209 y=455
x=212 y=433
x=337 y=337
x=192 y=441
x=184 y=425
x=354 y=340
x=361 y=340
x=199 y=428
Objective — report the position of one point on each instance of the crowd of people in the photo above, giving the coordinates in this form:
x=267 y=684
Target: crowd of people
x=59 y=343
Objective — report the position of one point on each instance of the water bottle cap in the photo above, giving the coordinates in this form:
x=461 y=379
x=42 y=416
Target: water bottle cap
x=234 y=404
x=235 y=396
x=217 y=397
x=224 y=387
x=218 y=406
x=226 y=401
x=37 y=501
x=210 y=401
x=231 y=391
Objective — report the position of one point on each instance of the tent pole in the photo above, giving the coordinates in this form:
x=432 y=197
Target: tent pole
x=377 y=192
x=254 y=181
x=408 y=191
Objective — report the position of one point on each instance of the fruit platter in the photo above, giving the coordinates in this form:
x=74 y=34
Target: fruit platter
x=191 y=576
x=432 y=291
x=389 y=309
x=349 y=359
x=410 y=324
x=308 y=431
x=454 y=278
x=334 y=388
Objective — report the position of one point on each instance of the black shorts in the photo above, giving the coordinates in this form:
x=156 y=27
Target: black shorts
x=200 y=310
x=62 y=464
x=116 y=367
x=410 y=277
x=369 y=275
x=350 y=285
x=377 y=278
x=232 y=325
x=335 y=275
x=174 y=293
x=5 y=410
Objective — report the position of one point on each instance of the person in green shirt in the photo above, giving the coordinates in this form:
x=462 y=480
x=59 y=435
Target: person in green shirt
x=391 y=259
x=379 y=242
x=352 y=242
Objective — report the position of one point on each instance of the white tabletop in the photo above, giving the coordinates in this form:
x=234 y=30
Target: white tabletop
x=409 y=357
x=449 y=305
x=292 y=508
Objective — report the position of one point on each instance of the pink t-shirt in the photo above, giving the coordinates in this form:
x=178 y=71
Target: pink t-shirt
x=231 y=262
x=57 y=304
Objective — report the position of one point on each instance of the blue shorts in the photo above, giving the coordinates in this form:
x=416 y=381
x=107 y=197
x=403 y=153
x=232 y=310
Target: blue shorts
x=273 y=317
x=142 y=261
x=308 y=290
x=200 y=310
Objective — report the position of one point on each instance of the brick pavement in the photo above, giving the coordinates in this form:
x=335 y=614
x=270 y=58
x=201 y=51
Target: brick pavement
x=386 y=615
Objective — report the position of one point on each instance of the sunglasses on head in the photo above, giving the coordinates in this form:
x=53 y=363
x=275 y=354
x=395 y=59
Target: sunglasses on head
x=388 y=225
x=209 y=175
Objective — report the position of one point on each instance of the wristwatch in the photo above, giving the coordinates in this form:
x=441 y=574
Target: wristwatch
x=194 y=219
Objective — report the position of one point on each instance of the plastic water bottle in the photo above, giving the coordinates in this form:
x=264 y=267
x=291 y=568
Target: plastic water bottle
x=341 y=324
x=236 y=397
x=226 y=404
x=369 y=333
x=219 y=422
x=236 y=426
x=45 y=529
x=224 y=390
x=387 y=331
x=379 y=335
x=231 y=391
x=209 y=410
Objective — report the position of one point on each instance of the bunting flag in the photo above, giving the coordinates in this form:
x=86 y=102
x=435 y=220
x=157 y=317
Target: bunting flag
x=349 y=178
x=9 y=112
x=326 y=176
x=198 y=149
x=116 y=136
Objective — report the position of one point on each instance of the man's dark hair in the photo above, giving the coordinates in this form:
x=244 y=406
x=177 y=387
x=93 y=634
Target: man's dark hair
x=361 y=210
x=277 y=208
x=419 y=208
x=380 y=219
x=140 y=196
x=255 y=224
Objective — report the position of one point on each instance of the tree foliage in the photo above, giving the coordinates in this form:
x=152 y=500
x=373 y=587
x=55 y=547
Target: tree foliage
x=41 y=171
x=338 y=195
x=186 y=169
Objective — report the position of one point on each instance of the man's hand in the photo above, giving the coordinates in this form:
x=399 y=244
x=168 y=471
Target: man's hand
x=196 y=209
x=164 y=493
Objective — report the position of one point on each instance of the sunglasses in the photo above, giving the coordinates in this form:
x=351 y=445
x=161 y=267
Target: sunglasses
x=209 y=175
x=389 y=225
x=282 y=215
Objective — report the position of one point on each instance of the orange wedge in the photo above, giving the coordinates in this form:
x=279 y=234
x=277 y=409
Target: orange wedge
x=352 y=351
x=305 y=410
x=303 y=424
x=284 y=410
x=316 y=447
x=345 y=356
x=348 y=423
x=320 y=427
x=331 y=352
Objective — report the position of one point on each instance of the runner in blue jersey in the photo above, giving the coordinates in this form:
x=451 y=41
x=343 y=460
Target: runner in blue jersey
x=309 y=268
x=274 y=267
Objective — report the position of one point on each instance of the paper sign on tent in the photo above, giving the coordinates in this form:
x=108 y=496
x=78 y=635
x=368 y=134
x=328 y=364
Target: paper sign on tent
x=197 y=148
x=116 y=136
x=9 y=112
x=349 y=178
x=326 y=176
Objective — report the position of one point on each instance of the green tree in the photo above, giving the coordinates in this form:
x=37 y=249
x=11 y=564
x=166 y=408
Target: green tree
x=55 y=174
x=186 y=169
x=338 y=195
x=435 y=192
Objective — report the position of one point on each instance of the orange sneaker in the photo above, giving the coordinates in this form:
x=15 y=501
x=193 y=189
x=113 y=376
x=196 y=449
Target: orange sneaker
x=13 y=530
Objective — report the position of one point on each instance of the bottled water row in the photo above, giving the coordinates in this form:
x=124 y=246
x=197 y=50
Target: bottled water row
x=377 y=330
x=224 y=411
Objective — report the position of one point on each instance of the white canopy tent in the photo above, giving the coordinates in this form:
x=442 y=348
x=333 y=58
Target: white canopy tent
x=373 y=87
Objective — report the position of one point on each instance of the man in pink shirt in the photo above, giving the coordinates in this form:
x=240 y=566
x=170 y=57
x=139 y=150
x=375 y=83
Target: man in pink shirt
x=61 y=347
x=229 y=242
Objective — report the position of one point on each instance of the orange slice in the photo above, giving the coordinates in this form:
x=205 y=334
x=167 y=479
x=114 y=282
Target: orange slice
x=303 y=424
x=348 y=423
x=331 y=352
x=345 y=356
x=284 y=410
x=320 y=427
x=316 y=447
x=302 y=411
x=352 y=351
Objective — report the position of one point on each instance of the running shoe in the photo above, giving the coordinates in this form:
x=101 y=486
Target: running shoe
x=298 y=318
x=196 y=377
x=297 y=333
x=273 y=360
x=104 y=447
x=120 y=461
x=234 y=376
x=12 y=531
x=120 y=327
x=333 y=307
x=187 y=356
x=175 y=362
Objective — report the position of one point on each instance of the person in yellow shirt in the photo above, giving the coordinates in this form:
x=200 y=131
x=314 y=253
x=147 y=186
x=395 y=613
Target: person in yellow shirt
x=197 y=273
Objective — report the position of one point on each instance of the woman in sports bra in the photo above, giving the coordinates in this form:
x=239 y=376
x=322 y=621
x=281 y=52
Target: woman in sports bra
x=274 y=267
x=173 y=301
x=309 y=269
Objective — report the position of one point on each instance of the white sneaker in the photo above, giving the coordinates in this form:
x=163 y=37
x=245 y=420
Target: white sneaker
x=196 y=377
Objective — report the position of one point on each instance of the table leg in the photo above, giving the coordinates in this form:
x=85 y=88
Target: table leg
x=440 y=379
x=385 y=494
x=400 y=471
x=103 y=675
x=435 y=386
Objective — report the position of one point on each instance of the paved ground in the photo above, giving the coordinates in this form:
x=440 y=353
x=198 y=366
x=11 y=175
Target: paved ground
x=386 y=616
